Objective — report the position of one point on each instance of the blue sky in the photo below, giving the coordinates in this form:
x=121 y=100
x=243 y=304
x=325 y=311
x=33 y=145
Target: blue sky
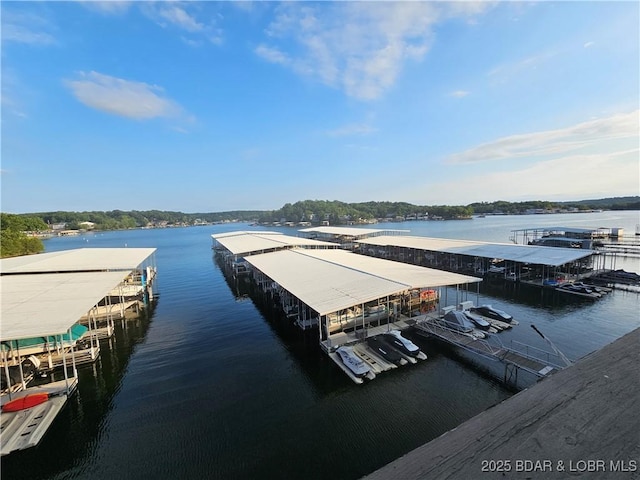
x=215 y=106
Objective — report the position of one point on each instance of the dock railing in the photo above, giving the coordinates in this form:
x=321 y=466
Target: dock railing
x=537 y=354
x=525 y=356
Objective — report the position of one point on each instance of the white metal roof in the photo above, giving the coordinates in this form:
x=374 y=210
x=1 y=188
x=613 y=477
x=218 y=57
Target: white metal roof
x=244 y=232
x=49 y=304
x=245 y=243
x=413 y=276
x=566 y=229
x=539 y=255
x=81 y=259
x=332 y=280
x=349 y=231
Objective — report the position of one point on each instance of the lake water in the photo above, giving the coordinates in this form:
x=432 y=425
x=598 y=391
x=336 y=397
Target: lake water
x=208 y=386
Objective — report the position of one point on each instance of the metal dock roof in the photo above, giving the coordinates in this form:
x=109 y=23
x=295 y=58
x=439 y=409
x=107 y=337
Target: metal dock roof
x=332 y=280
x=591 y=230
x=45 y=294
x=81 y=259
x=246 y=243
x=550 y=256
x=351 y=232
x=49 y=304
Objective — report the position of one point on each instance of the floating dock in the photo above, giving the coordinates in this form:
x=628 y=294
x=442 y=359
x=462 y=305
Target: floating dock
x=25 y=428
x=581 y=422
x=516 y=364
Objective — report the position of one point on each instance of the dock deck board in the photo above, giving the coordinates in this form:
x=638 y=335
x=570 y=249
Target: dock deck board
x=25 y=428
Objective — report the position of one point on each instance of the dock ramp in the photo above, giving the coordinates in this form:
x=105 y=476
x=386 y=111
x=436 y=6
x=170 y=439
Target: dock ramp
x=515 y=356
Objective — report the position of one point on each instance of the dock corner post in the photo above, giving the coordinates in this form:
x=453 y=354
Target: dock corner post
x=64 y=367
x=5 y=359
x=73 y=356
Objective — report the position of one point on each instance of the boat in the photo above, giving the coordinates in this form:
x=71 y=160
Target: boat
x=404 y=345
x=595 y=288
x=352 y=361
x=478 y=321
x=458 y=321
x=578 y=290
x=386 y=351
x=494 y=313
x=620 y=276
x=28 y=401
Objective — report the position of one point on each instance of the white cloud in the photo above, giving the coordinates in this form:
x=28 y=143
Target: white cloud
x=179 y=17
x=14 y=93
x=272 y=55
x=589 y=44
x=125 y=98
x=507 y=71
x=26 y=28
x=591 y=134
x=568 y=177
x=459 y=93
x=109 y=7
x=358 y=47
x=184 y=16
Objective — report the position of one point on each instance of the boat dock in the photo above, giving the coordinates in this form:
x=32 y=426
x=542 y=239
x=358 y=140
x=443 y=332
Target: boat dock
x=357 y=339
x=509 y=360
x=348 y=298
x=25 y=428
x=45 y=297
x=580 y=422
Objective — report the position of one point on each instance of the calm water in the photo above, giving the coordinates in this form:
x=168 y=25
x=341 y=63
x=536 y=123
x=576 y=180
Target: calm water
x=207 y=386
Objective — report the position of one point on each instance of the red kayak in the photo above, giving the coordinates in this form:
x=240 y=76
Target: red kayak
x=25 y=402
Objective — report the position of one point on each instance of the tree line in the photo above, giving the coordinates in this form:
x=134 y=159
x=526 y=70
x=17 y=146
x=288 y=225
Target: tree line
x=16 y=242
x=340 y=213
x=14 y=234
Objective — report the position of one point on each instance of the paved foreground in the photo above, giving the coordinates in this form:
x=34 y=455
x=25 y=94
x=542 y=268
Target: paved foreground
x=582 y=422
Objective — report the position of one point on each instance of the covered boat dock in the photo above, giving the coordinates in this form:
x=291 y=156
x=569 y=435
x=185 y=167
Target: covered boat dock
x=348 y=297
x=535 y=265
x=234 y=246
x=346 y=236
x=43 y=298
x=128 y=295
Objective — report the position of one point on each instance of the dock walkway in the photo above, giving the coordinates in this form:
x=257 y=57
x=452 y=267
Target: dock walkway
x=539 y=365
x=25 y=428
x=581 y=422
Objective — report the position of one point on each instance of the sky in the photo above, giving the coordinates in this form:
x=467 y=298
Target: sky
x=217 y=106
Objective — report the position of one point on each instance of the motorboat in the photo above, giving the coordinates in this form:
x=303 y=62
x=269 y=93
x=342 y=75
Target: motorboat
x=494 y=313
x=458 y=321
x=578 y=290
x=595 y=288
x=352 y=361
x=404 y=345
x=386 y=351
x=478 y=321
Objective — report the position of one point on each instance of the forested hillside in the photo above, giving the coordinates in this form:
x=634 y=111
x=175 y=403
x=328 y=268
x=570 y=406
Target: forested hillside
x=313 y=211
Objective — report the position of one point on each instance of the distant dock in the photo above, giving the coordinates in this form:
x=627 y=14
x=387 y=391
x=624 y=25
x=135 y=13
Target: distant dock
x=581 y=422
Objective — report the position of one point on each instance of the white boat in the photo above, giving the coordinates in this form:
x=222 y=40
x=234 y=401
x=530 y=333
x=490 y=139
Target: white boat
x=352 y=361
